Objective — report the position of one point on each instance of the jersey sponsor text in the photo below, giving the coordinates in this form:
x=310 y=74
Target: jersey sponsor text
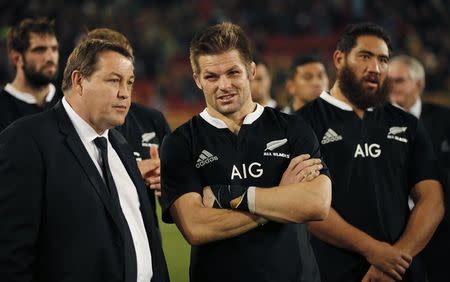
x=254 y=170
x=367 y=150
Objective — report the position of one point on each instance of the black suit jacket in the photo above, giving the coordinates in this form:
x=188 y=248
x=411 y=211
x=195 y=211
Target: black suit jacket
x=436 y=119
x=57 y=221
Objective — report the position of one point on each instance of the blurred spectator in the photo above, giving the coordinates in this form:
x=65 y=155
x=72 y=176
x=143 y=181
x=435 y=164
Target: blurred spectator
x=307 y=78
x=408 y=78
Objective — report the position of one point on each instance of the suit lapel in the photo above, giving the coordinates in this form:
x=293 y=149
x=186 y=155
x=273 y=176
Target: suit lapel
x=80 y=153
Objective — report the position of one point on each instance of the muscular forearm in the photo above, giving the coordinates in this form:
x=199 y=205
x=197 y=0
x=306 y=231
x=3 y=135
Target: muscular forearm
x=337 y=232
x=200 y=224
x=424 y=219
x=298 y=202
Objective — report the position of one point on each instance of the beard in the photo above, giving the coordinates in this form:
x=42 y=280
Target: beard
x=37 y=78
x=360 y=96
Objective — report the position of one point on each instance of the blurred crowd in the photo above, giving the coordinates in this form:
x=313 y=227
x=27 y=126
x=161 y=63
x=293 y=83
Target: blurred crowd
x=160 y=31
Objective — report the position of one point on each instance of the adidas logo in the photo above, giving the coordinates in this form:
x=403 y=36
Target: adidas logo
x=330 y=136
x=205 y=158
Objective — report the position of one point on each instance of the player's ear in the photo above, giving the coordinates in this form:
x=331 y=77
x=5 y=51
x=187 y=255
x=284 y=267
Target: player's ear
x=15 y=57
x=289 y=86
x=197 y=80
x=338 y=59
x=252 y=71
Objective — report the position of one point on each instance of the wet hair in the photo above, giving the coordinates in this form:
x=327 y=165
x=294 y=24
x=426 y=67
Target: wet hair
x=347 y=40
x=218 y=39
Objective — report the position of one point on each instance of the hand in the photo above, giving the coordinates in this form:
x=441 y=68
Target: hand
x=226 y=196
x=375 y=275
x=301 y=169
x=151 y=171
x=389 y=259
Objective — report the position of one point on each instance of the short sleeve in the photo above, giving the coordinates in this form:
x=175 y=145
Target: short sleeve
x=304 y=141
x=178 y=174
x=423 y=164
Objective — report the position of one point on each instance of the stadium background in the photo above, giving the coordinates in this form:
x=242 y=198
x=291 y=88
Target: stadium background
x=160 y=31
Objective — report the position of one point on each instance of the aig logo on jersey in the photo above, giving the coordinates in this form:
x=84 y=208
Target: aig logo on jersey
x=394 y=133
x=254 y=170
x=268 y=152
x=367 y=150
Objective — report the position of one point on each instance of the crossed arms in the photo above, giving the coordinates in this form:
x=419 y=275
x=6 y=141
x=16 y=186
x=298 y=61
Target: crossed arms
x=295 y=200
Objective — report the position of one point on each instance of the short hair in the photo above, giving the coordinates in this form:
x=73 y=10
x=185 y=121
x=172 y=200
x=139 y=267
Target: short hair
x=348 y=38
x=18 y=38
x=218 y=39
x=301 y=60
x=84 y=58
x=416 y=69
x=110 y=35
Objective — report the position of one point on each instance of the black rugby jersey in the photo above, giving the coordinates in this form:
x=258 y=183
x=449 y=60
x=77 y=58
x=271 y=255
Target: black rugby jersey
x=12 y=108
x=204 y=151
x=375 y=161
x=144 y=127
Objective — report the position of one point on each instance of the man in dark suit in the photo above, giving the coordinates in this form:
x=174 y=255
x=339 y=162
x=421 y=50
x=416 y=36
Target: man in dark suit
x=72 y=202
x=408 y=78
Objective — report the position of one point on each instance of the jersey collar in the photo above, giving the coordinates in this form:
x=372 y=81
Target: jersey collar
x=27 y=97
x=218 y=123
x=338 y=103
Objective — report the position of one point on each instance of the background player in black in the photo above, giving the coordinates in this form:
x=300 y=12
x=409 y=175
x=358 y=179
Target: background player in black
x=236 y=141
x=144 y=128
x=307 y=78
x=377 y=157
x=33 y=51
x=408 y=78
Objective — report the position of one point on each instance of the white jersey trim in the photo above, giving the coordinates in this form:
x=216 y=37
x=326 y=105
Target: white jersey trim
x=338 y=103
x=335 y=102
x=218 y=123
x=27 y=97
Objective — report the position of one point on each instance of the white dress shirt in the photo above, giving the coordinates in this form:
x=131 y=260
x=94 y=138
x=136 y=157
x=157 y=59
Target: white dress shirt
x=128 y=197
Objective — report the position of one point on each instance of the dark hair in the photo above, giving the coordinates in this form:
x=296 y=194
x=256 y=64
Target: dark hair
x=85 y=56
x=348 y=38
x=18 y=38
x=110 y=35
x=301 y=60
x=218 y=39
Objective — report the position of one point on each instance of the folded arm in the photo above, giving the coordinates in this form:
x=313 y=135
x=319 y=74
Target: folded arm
x=200 y=224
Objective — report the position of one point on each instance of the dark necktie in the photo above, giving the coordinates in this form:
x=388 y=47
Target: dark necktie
x=130 y=255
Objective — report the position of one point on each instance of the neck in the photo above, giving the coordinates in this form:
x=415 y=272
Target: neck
x=336 y=92
x=39 y=92
x=297 y=104
x=263 y=101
